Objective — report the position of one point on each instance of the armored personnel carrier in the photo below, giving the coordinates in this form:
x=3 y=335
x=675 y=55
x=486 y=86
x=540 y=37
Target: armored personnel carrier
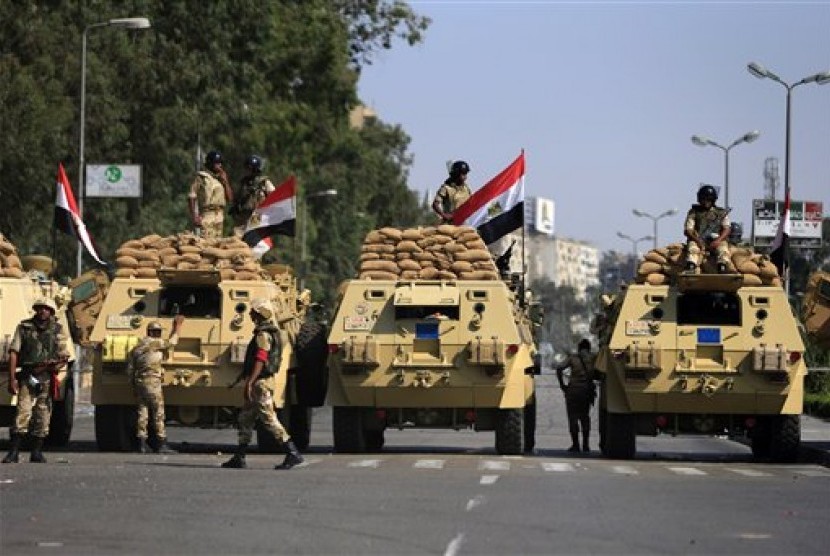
x=815 y=308
x=22 y=281
x=430 y=336
x=211 y=283
x=701 y=354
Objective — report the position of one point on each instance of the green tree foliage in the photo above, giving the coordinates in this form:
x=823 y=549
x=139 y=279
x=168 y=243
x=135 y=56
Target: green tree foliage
x=275 y=78
x=562 y=309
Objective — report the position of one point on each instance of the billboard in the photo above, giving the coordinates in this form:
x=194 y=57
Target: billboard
x=113 y=180
x=543 y=216
x=805 y=222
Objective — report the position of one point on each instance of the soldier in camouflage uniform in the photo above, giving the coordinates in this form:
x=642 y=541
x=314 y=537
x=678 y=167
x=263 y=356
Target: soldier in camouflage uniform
x=252 y=191
x=209 y=193
x=40 y=347
x=580 y=393
x=453 y=192
x=262 y=361
x=146 y=375
x=707 y=228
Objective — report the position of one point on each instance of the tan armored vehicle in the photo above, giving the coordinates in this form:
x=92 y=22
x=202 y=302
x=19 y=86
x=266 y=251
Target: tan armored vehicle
x=815 y=308
x=429 y=336
x=22 y=281
x=211 y=283
x=702 y=354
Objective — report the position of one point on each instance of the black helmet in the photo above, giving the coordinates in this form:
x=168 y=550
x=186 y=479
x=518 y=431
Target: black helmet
x=254 y=163
x=707 y=192
x=459 y=167
x=212 y=158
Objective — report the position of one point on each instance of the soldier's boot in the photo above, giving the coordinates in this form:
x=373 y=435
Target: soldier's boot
x=37 y=455
x=238 y=459
x=142 y=447
x=574 y=442
x=14 y=450
x=292 y=457
x=163 y=447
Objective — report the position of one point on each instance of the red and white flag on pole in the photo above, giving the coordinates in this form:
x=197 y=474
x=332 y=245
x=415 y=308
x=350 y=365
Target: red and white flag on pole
x=779 y=246
x=276 y=214
x=496 y=209
x=68 y=218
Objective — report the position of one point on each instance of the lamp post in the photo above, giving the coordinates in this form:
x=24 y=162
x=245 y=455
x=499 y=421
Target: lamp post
x=654 y=219
x=747 y=137
x=634 y=243
x=123 y=23
x=303 y=228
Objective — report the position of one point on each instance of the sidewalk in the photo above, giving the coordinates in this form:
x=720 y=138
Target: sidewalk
x=815 y=440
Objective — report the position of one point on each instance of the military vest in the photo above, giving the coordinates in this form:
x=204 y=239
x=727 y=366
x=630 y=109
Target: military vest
x=708 y=221
x=582 y=368
x=456 y=195
x=39 y=345
x=253 y=192
x=273 y=364
x=211 y=192
x=147 y=357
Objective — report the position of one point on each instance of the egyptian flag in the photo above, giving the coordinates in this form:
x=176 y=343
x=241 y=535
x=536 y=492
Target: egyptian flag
x=68 y=219
x=497 y=208
x=778 y=249
x=274 y=215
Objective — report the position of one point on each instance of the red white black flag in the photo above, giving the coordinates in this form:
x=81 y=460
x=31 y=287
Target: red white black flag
x=779 y=246
x=497 y=208
x=276 y=214
x=68 y=218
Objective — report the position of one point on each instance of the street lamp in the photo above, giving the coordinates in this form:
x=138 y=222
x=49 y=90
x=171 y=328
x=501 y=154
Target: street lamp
x=634 y=243
x=123 y=23
x=303 y=228
x=670 y=212
x=701 y=141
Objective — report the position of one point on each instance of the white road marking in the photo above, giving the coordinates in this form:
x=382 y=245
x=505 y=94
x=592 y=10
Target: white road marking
x=624 y=470
x=6 y=481
x=475 y=502
x=493 y=465
x=749 y=472
x=555 y=467
x=50 y=544
x=429 y=464
x=374 y=463
x=754 y=536
x=488 y=479
x=687 y=471
x=455 y=544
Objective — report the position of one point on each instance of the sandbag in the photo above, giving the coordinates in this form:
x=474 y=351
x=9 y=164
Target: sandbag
x=125 y=273
x=184 y=249
x=6 y=248
x=391 y=233
x=473 y=255
x=369 y=256
x=170 y=261
x=128 y=252
x=409 y=246
x=145 y=272
x=657 y=279
x=655 y=257
x=377 y=275
x=428 y=273
x=461 y=266
x=409 y=265
x=126 y=262
x=648 y=267
x=410 y=274
x=246 y=275
x=385 y=266
x=412 y=234
x=748 y=267
x=752 y=280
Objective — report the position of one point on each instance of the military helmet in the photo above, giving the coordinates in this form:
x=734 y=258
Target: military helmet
x=459 y=167
x=262 y=307
x=212 y=158
x=254 y=163
x=45 y=302
x=707 y=191
x=154 y=325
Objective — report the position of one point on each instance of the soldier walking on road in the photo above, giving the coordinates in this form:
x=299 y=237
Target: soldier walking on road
x=252 y=191
x=580 y=393
x=453 y=192
x=262 y=361
x=40 y=348
x=146 y=375
x=209 y=193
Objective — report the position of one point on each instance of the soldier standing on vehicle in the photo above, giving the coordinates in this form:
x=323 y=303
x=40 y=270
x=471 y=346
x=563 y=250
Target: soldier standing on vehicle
x=253 y=189
x=209 y=193
x=453 y=192
x=40 y=348
x=146 y=374
x=580 y=393
x=707 y=229
x=262 y=361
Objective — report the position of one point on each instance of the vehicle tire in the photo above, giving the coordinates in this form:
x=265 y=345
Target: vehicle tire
x=347 y=427
x=115 y=428
x=312 y=375
x=761 y=437
x=63 y=417
x=299 y=426
x=530 y=425
x=374 y=440
x=620 y=439
x=509 y=431
x=785 y=438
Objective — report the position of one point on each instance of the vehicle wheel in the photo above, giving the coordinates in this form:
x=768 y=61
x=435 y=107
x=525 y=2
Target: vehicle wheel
x=299 y=426
x=760 y=438
x=620 y=439
x=347 y=426
x=509 y=431
x=63 y=417
x=530 y=425
x=312 y=354
x=115 y=428
x=374 y=440
x=785 y=438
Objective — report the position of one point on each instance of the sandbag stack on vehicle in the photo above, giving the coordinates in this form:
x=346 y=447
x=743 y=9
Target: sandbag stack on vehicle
x=445 y=252
x=142 y=258
x=660 y=266
x=10 y=265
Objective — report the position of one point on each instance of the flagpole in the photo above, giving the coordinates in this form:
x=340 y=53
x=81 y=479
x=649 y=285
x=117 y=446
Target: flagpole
x=54 y=239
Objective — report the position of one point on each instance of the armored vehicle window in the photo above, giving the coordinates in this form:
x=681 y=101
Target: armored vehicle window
x=424 y=311
x=711 y=308
x=198 y=302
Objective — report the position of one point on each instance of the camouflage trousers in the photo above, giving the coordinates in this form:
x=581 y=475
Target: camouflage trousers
x=262 y=410
x=694 y=254
x=150 y=406
x=34 y=403
x=212 y=221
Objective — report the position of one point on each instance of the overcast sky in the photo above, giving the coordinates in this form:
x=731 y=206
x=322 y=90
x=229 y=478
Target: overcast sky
x=604 y=98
